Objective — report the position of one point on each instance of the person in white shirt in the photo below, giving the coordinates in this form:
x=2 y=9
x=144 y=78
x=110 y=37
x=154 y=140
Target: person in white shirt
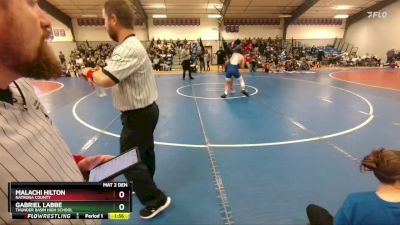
x=79 y=61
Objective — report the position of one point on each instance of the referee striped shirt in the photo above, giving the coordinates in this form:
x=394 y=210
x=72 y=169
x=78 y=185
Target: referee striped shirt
x=31 y=149
x=131 y=69
x=185 y=54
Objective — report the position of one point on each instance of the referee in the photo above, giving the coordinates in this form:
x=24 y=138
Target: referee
x=185 y=56
x=130 y=74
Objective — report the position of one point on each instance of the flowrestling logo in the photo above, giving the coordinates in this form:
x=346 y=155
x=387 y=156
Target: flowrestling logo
x=379 y=15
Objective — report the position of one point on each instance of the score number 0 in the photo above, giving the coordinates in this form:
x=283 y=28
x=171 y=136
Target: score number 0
x=121 y=195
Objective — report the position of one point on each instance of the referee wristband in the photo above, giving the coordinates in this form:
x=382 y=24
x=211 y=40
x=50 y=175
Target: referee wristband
x=78 y=158
x=90 y=74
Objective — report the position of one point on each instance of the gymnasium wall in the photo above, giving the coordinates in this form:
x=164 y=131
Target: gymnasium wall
x=65 y=47
x=60 y=43
x=254 y=31
x=315 y=32
x=208 y=30
x=99 y=33
x=376 y=36
x=90 y=33
x=320 y=35
x=57 y=25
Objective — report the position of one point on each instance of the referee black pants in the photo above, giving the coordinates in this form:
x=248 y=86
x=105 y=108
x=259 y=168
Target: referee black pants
x=138 y=128
x=186 y=66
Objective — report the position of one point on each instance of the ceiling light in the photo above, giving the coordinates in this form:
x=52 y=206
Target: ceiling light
x=285 y=16
x=213 y=6
x=342 y=7
x=341 y=16
x=157 y=6
x=89 y=16
x=214 y=16
x=159 y=16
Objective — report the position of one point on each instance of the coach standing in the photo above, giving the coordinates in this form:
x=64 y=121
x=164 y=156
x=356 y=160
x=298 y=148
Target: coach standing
x=130 y=74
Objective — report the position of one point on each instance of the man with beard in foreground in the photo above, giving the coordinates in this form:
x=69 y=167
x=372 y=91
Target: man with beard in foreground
x=31 y=149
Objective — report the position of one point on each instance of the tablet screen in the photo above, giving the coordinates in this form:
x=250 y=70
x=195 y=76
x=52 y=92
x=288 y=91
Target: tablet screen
x=113 y=167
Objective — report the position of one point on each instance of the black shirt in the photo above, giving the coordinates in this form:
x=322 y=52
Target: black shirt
x=221 y=55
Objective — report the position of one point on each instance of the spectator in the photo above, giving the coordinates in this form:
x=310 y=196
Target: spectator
x=369 y=208
x=62 y=58
x=207 y=59
x=156 y=63
x=71 y=69
x=248 y=60
x=79 y=62
x=185 y=56
x=320 y=57
x=202 y=61
x=101 y=63
x=220 y=59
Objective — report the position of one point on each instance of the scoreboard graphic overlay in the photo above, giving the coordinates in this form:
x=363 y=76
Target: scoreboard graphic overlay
x=61 y=200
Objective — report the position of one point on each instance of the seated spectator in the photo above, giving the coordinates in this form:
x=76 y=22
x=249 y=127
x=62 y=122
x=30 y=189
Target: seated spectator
x=397 y=64
x=101 y=62
x=248 y=58
x=381 y=207
x=266 y=67
x=79 y=62
x=156 y=63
